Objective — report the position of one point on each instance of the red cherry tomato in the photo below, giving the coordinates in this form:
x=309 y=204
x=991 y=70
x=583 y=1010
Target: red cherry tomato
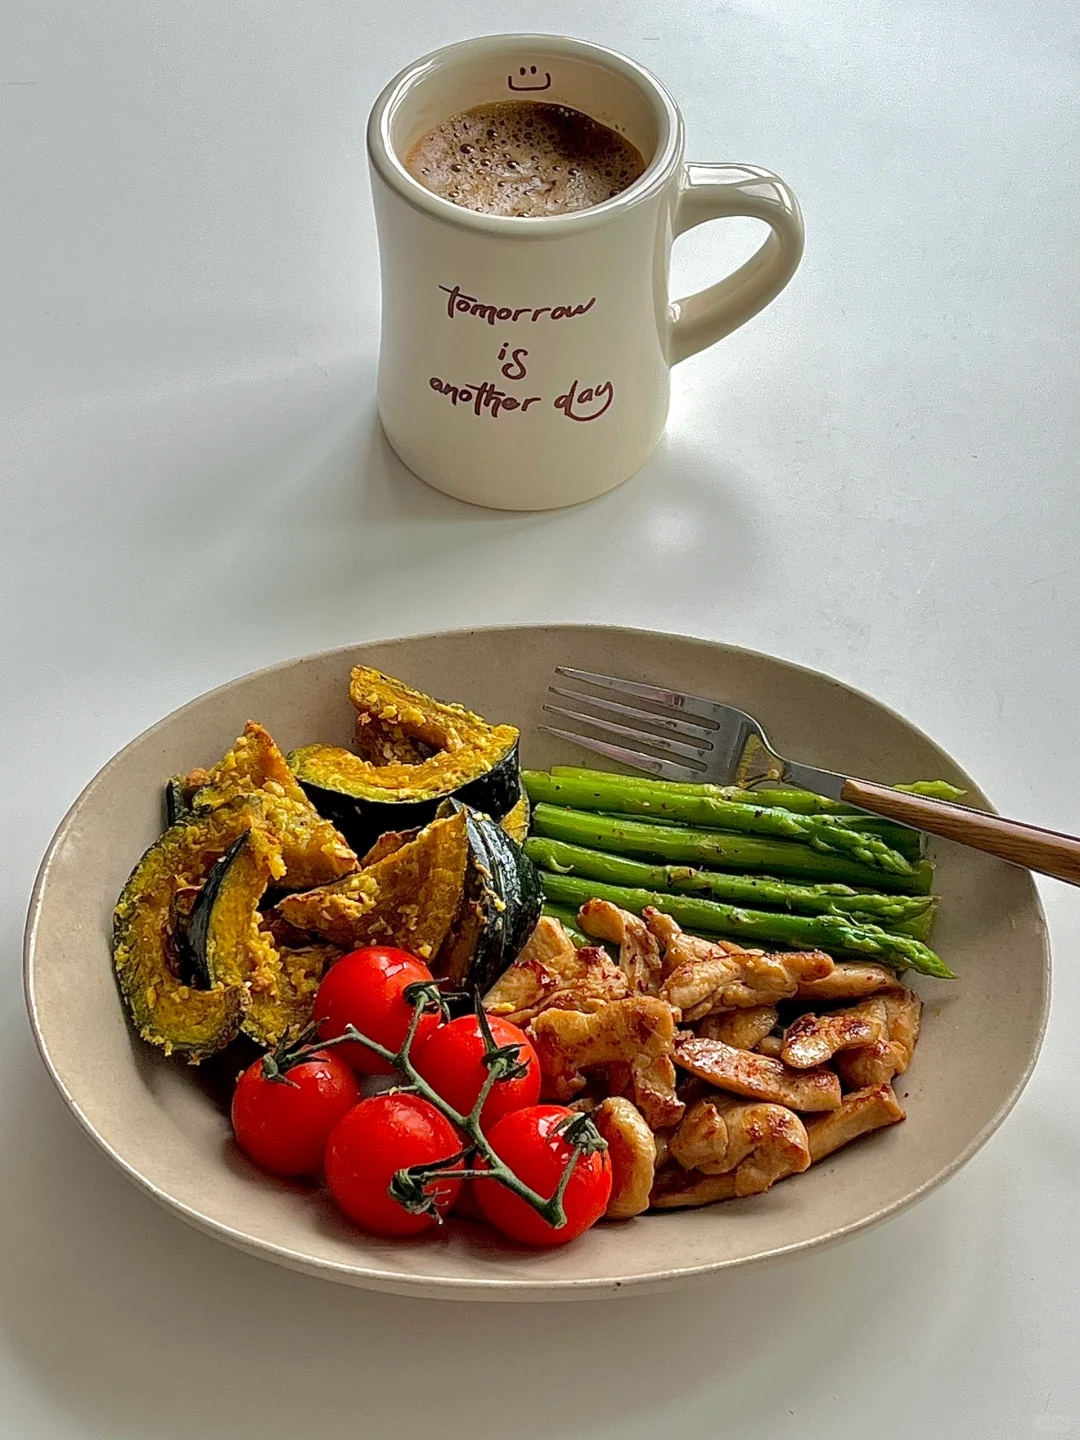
x=284 y=1124
x=465 y=1206
x=451 y=1061
x=528 y=1141
x=378 y=1137
x=365 y=988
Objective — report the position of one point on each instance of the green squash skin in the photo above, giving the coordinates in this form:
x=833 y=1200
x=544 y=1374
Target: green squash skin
x=202 y=915
x=529 y=894
x=362 y=820
x=178 y=805
x=148 y=961
x=501 y=904
x=220 y=953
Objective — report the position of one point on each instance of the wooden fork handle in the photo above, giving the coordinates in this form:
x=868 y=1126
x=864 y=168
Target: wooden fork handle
x=1047 y=851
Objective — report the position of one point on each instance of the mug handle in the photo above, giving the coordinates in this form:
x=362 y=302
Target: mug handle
x=712 y=192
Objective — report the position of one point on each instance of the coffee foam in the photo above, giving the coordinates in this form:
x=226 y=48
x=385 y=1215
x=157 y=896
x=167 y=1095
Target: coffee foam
x=519 y=157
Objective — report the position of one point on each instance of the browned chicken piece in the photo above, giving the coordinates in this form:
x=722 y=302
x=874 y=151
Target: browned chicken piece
x=548 y=958
x=744 y=1072
x=616 y=1078
x=814 y=1039
x=652 y=1086
x=707 y=977
x=768 y=978
x=599 y=981
x=678 y=1189
x=662 y=1137
x=861 y=1112
x=770 y=1045
x=848 y=980
x=759 y=1142
x=568 y=1042
x=520 y=990
x=528 y=987
x=683 y=949
x=878 y=1062
x=632 y=1152
x=696 y=986
x=782 y=1148
x=551 y=945
x=552 y=972
x=744 y=1029
x=639 y=954
x=702 y=1142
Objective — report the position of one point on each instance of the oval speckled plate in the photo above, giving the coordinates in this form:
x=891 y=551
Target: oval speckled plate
x=166 y=1126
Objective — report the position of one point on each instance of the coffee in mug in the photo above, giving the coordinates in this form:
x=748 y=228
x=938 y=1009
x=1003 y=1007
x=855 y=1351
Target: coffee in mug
x=528 y=333
x=524 y=158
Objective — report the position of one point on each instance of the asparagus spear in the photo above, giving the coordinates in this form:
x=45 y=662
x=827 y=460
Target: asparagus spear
x=817 y=932
x=610 y=793
x=803 y=802
x=901 y=837
x=902 y=914
x=622 y=835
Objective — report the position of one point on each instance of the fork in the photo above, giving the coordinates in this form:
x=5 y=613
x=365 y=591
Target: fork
x=700 y=740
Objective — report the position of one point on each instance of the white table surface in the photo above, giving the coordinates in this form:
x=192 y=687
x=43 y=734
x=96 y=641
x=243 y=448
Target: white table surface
x=877 y=477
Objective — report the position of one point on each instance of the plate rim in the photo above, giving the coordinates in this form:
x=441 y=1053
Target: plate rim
x=487 y=1287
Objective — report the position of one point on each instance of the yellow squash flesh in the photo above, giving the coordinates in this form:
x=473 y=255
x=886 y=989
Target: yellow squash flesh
x=407 y=899
x=313 y=850
x=166 y=1011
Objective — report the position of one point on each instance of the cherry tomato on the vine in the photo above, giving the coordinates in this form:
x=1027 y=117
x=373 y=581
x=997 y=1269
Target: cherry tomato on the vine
x=375 y=1139
x=283 y=1123
x=465 y=1206
x=529 y=1142
x=366 y=989
x=451 y=1061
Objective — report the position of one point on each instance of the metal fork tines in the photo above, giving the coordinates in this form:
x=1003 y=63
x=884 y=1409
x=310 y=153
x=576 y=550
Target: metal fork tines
x=668 y=715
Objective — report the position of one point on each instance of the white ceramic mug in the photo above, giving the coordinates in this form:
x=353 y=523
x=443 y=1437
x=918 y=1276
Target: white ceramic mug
x=525 y=362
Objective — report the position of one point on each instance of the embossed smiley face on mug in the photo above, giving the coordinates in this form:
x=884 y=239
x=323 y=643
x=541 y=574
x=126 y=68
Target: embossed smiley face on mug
x=528 y=78
x=527 y=189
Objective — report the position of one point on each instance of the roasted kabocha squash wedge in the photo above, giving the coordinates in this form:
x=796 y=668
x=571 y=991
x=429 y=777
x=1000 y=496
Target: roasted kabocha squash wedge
x=500 y=903
x=516 y=821
x=153 y=967
x=252 y=763
x=313 y=850
x=331 y=912
x=408 y=897
x=227 y=940
x=178 y=795
x=227 y=945
x=288 y=1006
x=387 y=844
x=414 y=752
x=221 y=933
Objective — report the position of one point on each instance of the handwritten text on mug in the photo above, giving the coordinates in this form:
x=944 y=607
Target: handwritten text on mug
x=459 y=303
x=483 y=397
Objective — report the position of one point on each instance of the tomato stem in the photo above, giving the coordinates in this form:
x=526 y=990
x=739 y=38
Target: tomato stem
x=410 y=1187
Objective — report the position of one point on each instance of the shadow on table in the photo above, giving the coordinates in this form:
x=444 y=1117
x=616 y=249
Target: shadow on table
x=364 y=535
x=145 y=1328
x=272 y=506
